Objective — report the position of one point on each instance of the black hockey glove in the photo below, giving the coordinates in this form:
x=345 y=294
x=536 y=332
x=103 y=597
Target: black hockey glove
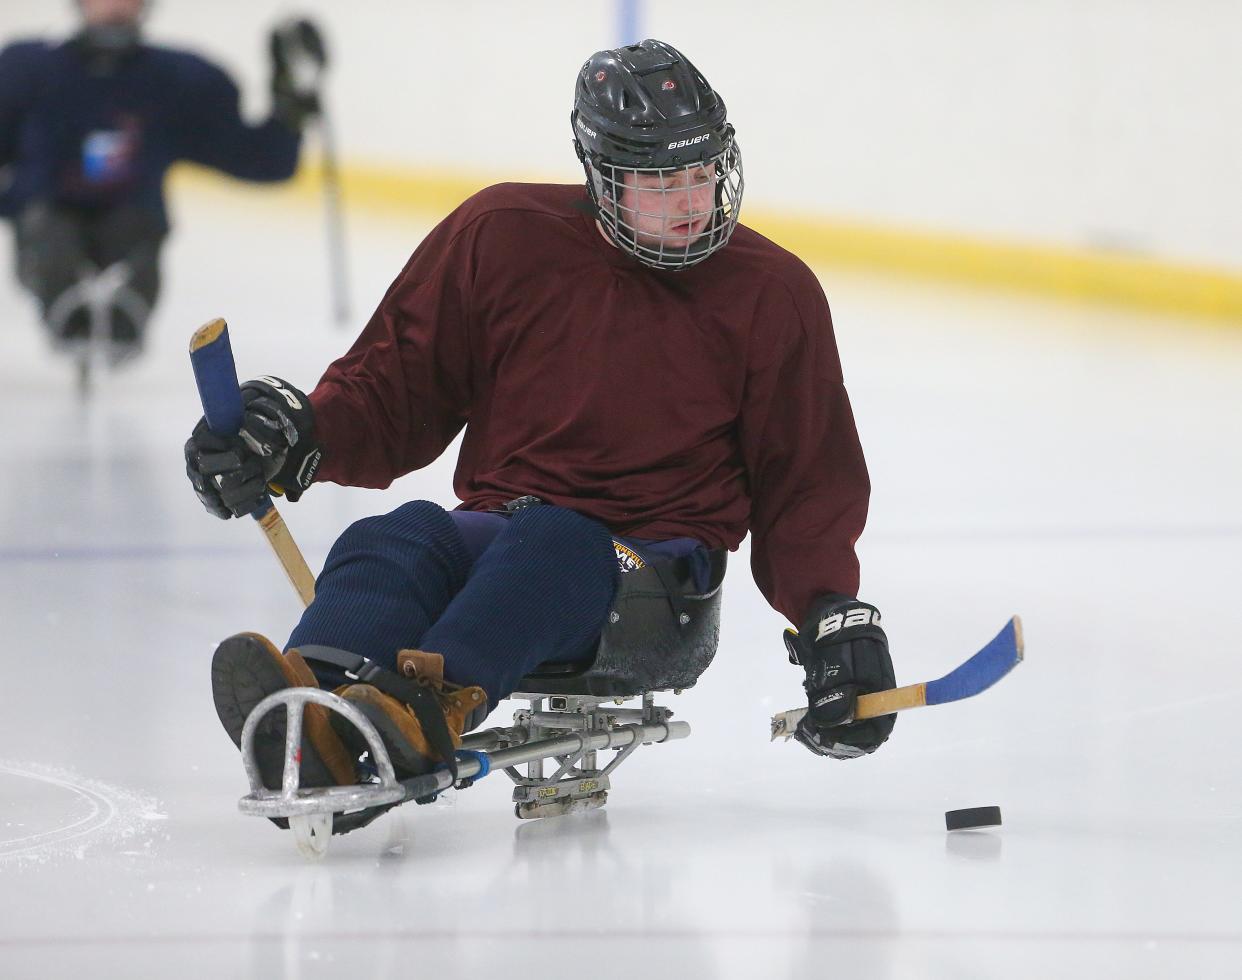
x=298 y=59
x=844 y=653
x=275 y=451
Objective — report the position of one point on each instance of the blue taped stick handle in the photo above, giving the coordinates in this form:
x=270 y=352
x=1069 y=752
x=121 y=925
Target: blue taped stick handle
x=211 y=356
x=215 y=373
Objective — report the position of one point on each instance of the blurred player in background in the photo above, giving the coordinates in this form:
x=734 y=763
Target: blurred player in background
x=88 y=130
x=640 y=378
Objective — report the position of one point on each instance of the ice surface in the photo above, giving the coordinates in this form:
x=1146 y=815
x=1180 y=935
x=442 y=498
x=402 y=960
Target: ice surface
x=1073 y=464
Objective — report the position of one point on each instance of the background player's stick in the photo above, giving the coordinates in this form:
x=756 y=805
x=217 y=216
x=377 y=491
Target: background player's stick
x=211 y=356
x=974 y=676
x=336 y=224
x=302 y=51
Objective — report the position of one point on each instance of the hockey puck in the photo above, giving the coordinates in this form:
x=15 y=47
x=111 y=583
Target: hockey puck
x=972 y=817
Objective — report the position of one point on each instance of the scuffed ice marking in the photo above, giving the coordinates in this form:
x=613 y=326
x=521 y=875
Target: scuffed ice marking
x=112 y=815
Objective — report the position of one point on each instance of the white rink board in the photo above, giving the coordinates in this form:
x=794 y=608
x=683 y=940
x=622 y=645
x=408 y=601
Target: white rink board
x=1074 y=123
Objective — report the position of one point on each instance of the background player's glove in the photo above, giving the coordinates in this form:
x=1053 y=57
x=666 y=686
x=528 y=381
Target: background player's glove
x=298 y=59
x=844 y=653
x=275 y=451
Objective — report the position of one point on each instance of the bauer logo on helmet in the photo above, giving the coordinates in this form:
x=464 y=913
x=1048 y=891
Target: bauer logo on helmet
x=689 y=142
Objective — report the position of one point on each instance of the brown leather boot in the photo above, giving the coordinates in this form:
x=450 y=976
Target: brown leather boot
x=408 y=748
x=247 y=668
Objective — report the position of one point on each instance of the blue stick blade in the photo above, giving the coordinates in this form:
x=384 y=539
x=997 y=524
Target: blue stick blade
x=982 y=670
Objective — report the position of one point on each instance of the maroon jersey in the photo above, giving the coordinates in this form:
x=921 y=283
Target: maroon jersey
x=700 y=403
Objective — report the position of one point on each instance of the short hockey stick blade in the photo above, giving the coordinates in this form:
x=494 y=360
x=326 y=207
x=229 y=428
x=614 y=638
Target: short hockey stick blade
x=976 y=675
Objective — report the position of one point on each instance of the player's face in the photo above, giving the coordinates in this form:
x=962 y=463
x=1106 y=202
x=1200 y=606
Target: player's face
x=671 y=208
x=100 y=12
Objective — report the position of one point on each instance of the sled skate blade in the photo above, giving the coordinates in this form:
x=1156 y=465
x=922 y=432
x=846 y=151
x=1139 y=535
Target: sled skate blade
x=312 y=831
x=559 y=808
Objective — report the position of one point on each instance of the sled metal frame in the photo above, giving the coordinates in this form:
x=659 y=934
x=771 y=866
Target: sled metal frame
x=583 y=725
x=98 y=292
x=291 y=800
x=570 y=730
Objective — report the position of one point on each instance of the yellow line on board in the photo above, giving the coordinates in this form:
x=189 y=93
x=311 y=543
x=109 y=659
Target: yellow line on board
x=1133 y=281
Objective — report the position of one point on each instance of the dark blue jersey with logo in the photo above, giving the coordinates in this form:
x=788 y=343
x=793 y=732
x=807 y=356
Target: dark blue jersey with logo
x=95 y=141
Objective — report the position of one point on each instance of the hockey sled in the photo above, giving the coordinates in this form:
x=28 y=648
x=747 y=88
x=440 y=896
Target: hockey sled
x=98 y=293
x=661 y=634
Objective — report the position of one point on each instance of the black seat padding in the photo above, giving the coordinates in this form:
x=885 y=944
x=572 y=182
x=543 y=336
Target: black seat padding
x=645 y=646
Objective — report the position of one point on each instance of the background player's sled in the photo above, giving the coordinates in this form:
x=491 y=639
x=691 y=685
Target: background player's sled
x=101 y=295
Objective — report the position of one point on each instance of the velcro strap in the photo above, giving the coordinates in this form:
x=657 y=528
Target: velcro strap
x=426 y=708
x=351 y=663
x=664 y=572
x=422 y=701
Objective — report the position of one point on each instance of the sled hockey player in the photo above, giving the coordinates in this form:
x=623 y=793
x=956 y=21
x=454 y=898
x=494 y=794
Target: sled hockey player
x=640 y=379
x=88 y=130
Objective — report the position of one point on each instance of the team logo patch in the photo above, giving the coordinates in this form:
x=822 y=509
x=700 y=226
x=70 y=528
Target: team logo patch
x=108 y=155
x=627 y=558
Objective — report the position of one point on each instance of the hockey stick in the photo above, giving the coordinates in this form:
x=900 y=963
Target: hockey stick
x=335 y=222
x=211 y=356
x=300 y=49
x=976 y=675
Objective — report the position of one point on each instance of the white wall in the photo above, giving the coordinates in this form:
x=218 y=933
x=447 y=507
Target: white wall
x=1098 y=123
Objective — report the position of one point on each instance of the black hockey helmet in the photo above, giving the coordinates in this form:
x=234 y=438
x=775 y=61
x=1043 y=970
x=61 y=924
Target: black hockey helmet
x=644 y=109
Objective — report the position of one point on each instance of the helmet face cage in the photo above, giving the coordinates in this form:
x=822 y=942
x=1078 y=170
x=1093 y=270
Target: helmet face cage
x=669 y=217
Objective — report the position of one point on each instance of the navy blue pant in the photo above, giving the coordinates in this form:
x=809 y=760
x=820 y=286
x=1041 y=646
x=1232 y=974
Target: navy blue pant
x=495 y=595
